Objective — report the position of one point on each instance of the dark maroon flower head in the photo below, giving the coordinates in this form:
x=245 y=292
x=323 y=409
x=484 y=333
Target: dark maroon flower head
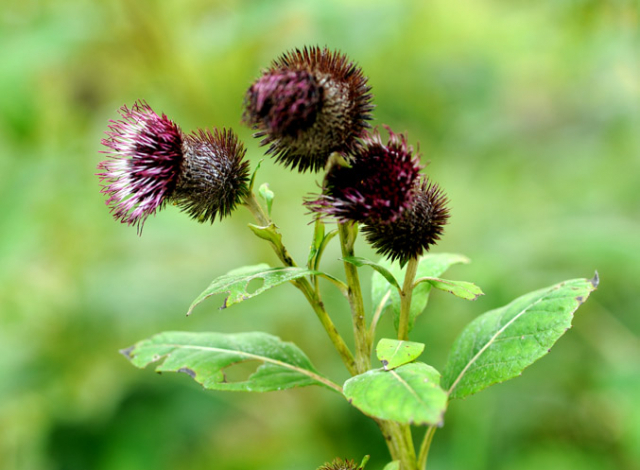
x=145 y=157
x=377 y=187
x=308 y=104
x=214 y=175
x=419 y=227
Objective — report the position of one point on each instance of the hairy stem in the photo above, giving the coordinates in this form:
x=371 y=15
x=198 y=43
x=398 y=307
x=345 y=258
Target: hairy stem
x=348 y=233
x=405 y=299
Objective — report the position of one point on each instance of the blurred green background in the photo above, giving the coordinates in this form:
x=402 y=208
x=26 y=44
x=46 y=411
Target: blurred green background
x=529 y=113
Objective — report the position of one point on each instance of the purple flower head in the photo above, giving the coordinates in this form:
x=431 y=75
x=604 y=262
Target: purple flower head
x=308 y=104
x=145 y=157
x=214 y=176
x=377 y=187
x=413 y=233
x=286 y=102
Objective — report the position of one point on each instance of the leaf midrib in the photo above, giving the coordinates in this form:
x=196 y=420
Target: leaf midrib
x=493 y=339
x=300 y=370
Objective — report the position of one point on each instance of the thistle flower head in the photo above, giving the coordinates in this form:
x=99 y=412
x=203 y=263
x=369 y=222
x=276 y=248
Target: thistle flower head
x=145 y=157
x=340 y=464
x=413 y=233
x=214 y=175
x=377 y=187
x=308 y=104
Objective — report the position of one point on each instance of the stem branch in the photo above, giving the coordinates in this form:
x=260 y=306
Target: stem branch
x=424 y=448
x=348 y=233
x=405 y=299
x=305 y=286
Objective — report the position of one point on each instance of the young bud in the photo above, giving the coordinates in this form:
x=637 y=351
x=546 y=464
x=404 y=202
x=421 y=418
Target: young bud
x=377 y=187
x=307 y=105
x=413 y=233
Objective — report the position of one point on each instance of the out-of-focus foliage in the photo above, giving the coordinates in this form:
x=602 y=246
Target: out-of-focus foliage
x=529 y=115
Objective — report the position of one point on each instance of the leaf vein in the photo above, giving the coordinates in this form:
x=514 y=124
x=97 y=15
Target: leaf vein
x=300 y=370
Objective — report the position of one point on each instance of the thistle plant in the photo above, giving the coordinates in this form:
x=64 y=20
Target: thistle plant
x=311 y=109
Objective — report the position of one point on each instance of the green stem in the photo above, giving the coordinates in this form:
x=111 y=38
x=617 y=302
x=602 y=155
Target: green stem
x=399 y=442
x=376 y=318
x=390 y=437
x=256 y=209
x=348 y=233
x=424 y=448
x=405 y=299
x=405 y=429
x=305 y=286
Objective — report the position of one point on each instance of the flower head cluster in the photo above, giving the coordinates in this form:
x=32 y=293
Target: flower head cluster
x=151 y=161
x=307 y=105
x=310 y=104
x=419 y=227
x=377 y=186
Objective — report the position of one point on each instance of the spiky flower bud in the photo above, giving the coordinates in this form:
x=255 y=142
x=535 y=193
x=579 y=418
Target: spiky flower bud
x=308 y=104
x=151 y=161
x=145 y=160
x=214 y=176
x=378 y=185
x=413 y=233
x=340 y=464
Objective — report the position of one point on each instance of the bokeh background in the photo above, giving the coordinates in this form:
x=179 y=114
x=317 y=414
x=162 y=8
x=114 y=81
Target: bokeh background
x=529 y=114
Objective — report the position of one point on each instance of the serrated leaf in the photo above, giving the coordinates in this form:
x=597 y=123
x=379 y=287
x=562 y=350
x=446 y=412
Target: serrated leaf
x=205 y=357
x=499 y=344
x=235 y=283
x=431 y=265
x=410 y=394
x=394 y=353
x=268 y=195
x=395 y=465
x=386 y=274
x=464 y=290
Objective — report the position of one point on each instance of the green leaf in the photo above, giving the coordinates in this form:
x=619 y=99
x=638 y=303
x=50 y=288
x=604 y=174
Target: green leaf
x=499 y=344
x=267 y=195
x=395 y=465
x=323 y=244
x=386 y=274
x=410 y=394
x=318 y=236
x=464 y=290
x=269 y=233
x=206 y=356
x=253 y=175
x=236 y=282
x=431 y=265
x=394 y=353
